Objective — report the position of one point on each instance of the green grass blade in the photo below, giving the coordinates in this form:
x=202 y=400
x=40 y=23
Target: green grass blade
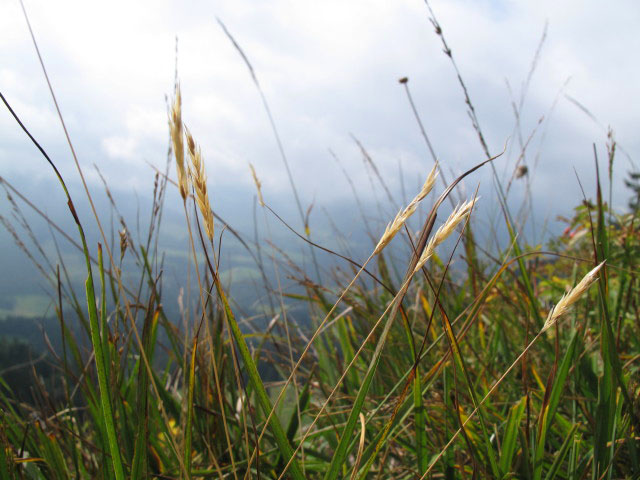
x=549 y=408
x=509 y=441
x=419 y=420
x=263 y=398
x=341 y=452
x=562 y=453
x=140 y=463
x=189 y=427
x=460 y=363
x=105 y=400
x=303 y=403
x=104 y=332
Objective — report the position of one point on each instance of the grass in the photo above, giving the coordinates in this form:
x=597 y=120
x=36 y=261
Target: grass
x=522 y=365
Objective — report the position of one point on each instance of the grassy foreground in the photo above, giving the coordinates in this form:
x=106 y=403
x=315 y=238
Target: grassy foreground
x=497 y=372
x=522 y=365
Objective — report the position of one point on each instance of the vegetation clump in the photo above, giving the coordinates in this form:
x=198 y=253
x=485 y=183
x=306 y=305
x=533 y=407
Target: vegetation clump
x=521 y=364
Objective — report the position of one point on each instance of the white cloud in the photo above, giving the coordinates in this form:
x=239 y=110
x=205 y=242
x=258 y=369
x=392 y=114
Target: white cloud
x=120 y=147
x=328 y=69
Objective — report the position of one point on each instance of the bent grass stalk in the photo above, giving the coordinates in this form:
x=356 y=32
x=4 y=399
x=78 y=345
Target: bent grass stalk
x=428 y=225
x=405 y=378
x=176 y=128
x=345 y=438
x=414 y=372
x=326 y=318
x=391 y=304
x=258 y=184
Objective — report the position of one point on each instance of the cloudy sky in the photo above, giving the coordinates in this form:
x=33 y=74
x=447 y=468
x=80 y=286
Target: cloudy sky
x=328 y=69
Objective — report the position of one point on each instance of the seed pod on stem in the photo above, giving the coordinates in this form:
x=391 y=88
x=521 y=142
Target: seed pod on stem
x=403 y=215
x=258 y=185
x=177 y=140
x=458 y=215
x=199 y=180
x=567 y=300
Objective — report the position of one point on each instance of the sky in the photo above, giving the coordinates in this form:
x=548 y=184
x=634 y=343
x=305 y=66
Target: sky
x=329 y=71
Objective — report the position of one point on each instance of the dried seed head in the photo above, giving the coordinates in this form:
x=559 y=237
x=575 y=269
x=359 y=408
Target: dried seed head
x=458 y=215
x=403 y=215
x=521 y=171
x=392 y=228
x=191 y=144
x=124 y=242
x=176 y=129
x=572 y=297
x=258 y=185
x=199 y=181
x=428 y=185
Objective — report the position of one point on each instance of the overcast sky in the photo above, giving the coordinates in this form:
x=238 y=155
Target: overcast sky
x=328 y=69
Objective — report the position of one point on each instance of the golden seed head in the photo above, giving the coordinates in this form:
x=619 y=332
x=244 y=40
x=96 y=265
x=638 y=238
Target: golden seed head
x=258 y=185
x=176 y=129
x=124 y=242
x=521 y=171
x=458 y=215
x=199 y=181
x=191 y=144
x=567 y=300
x=403 y=215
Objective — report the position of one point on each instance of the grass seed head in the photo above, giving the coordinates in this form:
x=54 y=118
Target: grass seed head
x=199 y=180
x=458 y=215
x=567 y=300
x=403 y=215
x=177 y=140
x=124 y=241
x=258 y=185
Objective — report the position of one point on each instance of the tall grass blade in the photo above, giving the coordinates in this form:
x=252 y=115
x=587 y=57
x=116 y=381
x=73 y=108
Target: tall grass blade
x=96 y=339
x=263 y=398
x=550 y=406
x=103 y=383
x=188 y=432
x=561 y=454
x=509 y=441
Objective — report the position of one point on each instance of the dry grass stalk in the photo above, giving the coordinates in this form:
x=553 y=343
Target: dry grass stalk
x=363 y=426
x=458 y=215
x=403 y=215
x=567 y=300
x=258 y=184
x=176 y=128
x=199 y=180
